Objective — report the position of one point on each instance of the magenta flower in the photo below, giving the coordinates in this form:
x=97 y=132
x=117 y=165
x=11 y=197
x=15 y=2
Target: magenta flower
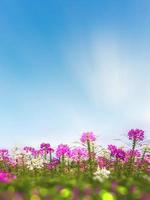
x=35 y=152
x=53 y=164
x=62 y=150
x=136 y=135
x=120 y=154
x=116 y=152
x=112 y=149
x=79 y=153
x=134 y=153
x=6 y=177
x=28 y=149
x=88 y=136
x=3 y=152
x=102 y=161
x=45 y=148
x=46 y=151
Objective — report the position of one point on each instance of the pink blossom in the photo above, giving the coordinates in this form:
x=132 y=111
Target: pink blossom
x=28 y=149
x=136 y=134
x=6 y=177
x=45 y=145
x=88 y=136
x=78 y=153
x=134 y=153
x=62 y=150
x=117 y=152
x=120 y=154
x=3 y=152
x=112 y=149
x=35 y=152
x=102 y=161
x=53 y=163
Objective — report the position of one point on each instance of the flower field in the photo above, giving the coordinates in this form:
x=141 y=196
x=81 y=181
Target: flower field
x=86 y=171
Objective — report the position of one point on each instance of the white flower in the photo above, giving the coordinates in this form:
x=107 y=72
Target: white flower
x=35 y=163
x=101 y=174
x=146 y=147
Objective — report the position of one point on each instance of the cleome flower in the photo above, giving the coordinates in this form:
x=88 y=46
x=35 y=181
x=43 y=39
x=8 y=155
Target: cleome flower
x=35 y=163
x=6 y=177
x=101 y=174
x=62 y=150
x=88 y=136
x=78 y=153
x=112 y=149
x=136 y=134
x=116 y=152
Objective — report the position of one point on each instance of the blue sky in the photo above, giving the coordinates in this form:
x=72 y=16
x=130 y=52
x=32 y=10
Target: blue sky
x=71 y=66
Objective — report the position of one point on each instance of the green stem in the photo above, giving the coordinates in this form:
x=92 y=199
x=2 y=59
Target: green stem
x=90 y=158
x=131 y=161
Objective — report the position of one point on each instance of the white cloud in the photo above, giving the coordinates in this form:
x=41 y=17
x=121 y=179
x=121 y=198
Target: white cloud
x=112 y=79
x=102 y=70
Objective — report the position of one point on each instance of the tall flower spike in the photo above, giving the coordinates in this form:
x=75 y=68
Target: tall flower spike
x=88 y=136
x=136 y=134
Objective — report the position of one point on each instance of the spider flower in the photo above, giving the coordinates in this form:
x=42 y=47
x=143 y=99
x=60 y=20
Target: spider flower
x=112 y=149
x=101 y=174
x=120 y=154
x=6 y=177
x=62 y=150
x=79 y=153
x=88 y=136
x=136 y=135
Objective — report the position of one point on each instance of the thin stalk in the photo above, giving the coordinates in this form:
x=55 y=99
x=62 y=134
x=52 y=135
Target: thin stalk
x=90 y=158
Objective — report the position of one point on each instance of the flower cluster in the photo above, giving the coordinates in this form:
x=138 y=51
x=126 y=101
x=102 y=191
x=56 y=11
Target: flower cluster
x=78 y=159
x=88 y=136
x=102 y=161
x=101 y=174
x=3 y=152
x=79 y=153
x=136 y=135
x=6 y=177
x=62 y=150
x=53 y=164
x=45 y=148
x=35 y=163
x=112 y=149
x=117 y=152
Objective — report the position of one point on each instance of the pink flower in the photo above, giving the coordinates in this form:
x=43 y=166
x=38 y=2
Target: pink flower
x=78 y=153
x=35 y=152
x=117 y=152
x=102 y=161
x=120 y=154
x=136 y=134
x=134 y=153
x=45 y=148
x=62 y=150
x=28 y=149
x=6 y=177
x=88 y=136
x=112 y=149
x=53 y=164
x=3 y=152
